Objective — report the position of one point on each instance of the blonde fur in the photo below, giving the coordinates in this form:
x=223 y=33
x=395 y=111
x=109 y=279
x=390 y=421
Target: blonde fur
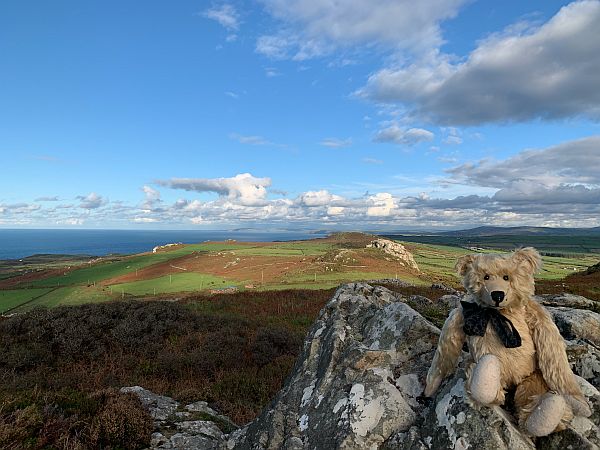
x=539 y=365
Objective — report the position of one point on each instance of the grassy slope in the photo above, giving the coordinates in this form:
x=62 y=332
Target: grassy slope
x=176 y=283
x=84 y=285
x=10 y=299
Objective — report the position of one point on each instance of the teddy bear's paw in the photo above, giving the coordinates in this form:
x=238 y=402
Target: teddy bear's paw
x=547 y=415
x=579 y=405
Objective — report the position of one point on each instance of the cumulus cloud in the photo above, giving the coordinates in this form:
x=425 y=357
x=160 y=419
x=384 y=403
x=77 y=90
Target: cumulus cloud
x=91 y=201
x=382 y=205
x=318 y=198
x=524 y=73
x=398 y=135
x=569 y=162
x=249 y=190
x=315 y=27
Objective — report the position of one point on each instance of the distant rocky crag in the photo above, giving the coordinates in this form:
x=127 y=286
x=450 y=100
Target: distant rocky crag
x=396 y=250
x=359 y=380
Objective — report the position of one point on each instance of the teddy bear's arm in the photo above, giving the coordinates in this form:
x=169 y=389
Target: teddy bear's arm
x=448 y=350
x=552 y=358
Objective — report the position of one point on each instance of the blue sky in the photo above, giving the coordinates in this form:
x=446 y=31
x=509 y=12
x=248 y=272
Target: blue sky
x=367 y=114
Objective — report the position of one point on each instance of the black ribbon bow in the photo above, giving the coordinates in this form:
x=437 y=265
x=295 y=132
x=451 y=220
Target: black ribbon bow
x=476 y=319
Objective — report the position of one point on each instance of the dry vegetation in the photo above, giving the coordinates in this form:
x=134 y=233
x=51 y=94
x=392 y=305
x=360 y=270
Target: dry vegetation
x=61 y=367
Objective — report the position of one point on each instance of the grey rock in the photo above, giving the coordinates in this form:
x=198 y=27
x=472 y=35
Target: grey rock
x=577 y=323
x=201 y=407
x=585 y=360
x=396 y=250
x=451 y=300
x=357 y=379
x=160 y=407
x=568 y=300
x=452 y=423
x=173 y=430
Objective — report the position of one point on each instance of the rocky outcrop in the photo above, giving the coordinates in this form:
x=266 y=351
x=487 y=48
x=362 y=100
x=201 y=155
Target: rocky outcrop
x=395 y=250
x=358 y=384
x=359 y=380
x=193 y=426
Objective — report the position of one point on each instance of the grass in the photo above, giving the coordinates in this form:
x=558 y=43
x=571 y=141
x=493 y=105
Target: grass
x=437 y=261
x=69 y=296
x=82 y=285
x=13 y=298
x=179 y=282
x=98 y=272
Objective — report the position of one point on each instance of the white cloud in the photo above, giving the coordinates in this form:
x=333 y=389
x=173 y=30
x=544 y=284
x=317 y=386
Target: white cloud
x=250 y=140
x=452 y=136
x=91 y=201
x=383 y=205
x=272 y=72
x=546 y=72
x=152 y=197
x=318 y=198
x=225 y=14
x=335 y=210
x=398 y=135
x=315 y=27
x=336 y=142
x=245 y=188
x=145 y=220
x=369 y=160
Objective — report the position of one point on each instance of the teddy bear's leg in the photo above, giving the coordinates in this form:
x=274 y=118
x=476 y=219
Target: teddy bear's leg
x=485 y=383
x=539 y=410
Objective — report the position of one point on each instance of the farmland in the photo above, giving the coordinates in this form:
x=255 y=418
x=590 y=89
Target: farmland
x=211 y=267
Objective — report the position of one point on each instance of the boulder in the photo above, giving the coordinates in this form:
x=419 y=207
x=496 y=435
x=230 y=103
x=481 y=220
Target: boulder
x=577 y=323
x=176 y=426
x=396 y=250
x=357 y=380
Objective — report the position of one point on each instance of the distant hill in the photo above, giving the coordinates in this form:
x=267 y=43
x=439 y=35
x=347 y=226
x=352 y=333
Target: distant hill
x=522 y=231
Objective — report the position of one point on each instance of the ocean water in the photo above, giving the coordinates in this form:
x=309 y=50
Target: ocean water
x=15 y=244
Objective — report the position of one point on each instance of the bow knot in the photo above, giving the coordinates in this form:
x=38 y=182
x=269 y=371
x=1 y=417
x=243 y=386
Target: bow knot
x=476 y=319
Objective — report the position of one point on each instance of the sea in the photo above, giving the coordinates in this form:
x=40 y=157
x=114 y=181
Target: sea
x=17 y=244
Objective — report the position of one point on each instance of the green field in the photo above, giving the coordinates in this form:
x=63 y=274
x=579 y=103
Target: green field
x=13 y=298
x=567 y=245
x=180 y=282
x=88 y=283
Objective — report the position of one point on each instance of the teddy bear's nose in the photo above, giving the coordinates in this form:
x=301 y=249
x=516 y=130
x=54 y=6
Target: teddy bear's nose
x=497 y=296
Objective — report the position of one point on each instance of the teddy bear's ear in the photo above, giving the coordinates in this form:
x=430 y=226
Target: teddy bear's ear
x=463 y=263
x=528 y=256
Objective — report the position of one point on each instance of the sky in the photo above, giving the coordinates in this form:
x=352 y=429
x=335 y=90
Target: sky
x=299 y=114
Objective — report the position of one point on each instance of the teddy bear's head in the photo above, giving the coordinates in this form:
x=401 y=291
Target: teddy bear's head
x=500 y=281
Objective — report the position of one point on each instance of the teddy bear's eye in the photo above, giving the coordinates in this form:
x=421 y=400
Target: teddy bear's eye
x=505 y=277
x=486 y=277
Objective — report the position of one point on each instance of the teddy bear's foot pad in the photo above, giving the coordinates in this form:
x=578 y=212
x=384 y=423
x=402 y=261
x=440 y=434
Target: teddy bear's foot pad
x=485 y=382
x=547 y=415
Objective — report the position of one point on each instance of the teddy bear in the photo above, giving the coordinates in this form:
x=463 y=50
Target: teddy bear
x=512 y=342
